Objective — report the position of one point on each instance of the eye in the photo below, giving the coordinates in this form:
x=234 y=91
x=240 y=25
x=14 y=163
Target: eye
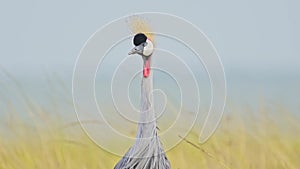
x=145 y=44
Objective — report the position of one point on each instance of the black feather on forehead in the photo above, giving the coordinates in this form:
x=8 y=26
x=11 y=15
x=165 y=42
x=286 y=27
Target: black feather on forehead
x=139 y=39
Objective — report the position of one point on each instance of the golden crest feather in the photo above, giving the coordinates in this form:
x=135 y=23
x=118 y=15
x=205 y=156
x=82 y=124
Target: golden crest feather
x=138 y=24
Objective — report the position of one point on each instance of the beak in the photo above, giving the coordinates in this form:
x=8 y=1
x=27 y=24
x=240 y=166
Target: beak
x=137 y=49
x=133 y=51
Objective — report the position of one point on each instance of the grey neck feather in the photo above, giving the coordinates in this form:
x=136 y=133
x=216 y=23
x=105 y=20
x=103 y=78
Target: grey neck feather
x=147 y=122
x=147 y=151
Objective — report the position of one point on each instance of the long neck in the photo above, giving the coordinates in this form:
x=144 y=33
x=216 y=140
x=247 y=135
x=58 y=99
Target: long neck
x=147 y=123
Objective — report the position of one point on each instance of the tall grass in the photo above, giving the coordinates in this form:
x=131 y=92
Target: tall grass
x=268 y=138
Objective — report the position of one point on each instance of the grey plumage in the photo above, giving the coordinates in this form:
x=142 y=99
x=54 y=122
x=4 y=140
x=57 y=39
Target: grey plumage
x=147 y=151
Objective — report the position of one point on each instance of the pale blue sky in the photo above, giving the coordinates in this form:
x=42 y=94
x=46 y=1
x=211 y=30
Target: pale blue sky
x=250 y=35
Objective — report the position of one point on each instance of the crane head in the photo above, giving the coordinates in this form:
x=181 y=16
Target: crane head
x=143 y=47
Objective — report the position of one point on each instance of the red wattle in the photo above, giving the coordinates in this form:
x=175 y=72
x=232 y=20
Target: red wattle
x=146 y=70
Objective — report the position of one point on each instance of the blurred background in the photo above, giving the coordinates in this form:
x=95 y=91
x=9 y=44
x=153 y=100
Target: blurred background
x=258 y=41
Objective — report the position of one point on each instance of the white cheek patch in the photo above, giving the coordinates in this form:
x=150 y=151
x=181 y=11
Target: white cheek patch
x=148 y=49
